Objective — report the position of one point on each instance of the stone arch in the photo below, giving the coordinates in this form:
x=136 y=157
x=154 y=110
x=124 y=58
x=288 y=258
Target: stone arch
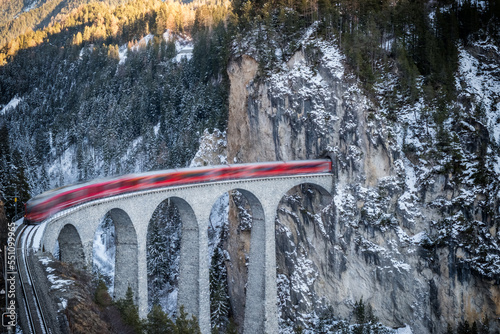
x=226 y=231
x=301 y=220
x=164 y=232
x=126 y=256
x=250 y=306
x=71 y=247
x=326 y=196
x=188 y=276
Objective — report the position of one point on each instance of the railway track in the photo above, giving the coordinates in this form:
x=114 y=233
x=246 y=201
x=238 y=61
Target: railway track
x=31 y=305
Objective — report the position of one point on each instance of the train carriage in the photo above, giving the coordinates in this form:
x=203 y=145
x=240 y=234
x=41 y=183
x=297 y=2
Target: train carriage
x=49 y=203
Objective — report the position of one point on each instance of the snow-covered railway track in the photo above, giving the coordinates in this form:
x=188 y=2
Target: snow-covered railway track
x=32 y=306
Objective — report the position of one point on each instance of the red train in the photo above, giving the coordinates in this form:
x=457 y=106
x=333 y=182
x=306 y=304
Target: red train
x=50 y=202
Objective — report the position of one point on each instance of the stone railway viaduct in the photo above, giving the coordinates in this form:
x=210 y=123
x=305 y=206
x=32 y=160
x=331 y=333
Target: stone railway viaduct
x=75 y=229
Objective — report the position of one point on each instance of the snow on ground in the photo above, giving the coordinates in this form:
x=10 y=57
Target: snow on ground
x=212 y=150
x=65 y=168
x=303 y=277
x=11 y=105
x=183 y=45
x=135 y=149
x=332 y=58
x=419 y=237
x=184 y=53
x=143 y=42
x=482 y=80
x=89 y=48
x=218 y=221
x=57 y=282
x=30 y=6
x=156 y=129
x=167 y=35
x=480 y=4
x=38 y=237
x=289 y=79
x=45 y=260
x=63 y=304
x=122 y=53
x=404 y=330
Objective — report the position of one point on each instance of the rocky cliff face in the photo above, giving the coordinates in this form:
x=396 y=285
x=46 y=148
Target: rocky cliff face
x=412 y=226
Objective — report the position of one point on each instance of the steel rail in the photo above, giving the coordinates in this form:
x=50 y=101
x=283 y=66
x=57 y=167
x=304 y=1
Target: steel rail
x=26 y=277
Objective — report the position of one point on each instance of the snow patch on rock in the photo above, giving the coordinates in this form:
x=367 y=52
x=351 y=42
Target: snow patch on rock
x=103 y=253
x=212 y=150
x=11 y=105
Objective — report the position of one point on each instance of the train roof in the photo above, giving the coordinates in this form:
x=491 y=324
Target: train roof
x=60 y=190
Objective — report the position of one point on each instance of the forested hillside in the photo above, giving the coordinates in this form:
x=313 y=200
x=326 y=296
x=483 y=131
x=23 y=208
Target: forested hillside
x=101 y=92
x=18 y=17
x=420 y=38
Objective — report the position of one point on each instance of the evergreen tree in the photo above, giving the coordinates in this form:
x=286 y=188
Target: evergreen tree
x=231 y=327
x=474 y=329
x=219 y=297
x=163 y=255
x=484 y=328
x=157 y=248
x=158 y=322
x=463 y=328
x=183 y=325
x=14 y=187
x=4 y=161
x=101 y=296
x=130 y=311
x=359 y=311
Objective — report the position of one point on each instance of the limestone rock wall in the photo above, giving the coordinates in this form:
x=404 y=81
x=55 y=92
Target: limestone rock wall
x=381 y=236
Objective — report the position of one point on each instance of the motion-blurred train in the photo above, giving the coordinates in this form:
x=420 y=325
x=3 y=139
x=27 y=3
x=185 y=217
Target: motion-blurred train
x=50 y=202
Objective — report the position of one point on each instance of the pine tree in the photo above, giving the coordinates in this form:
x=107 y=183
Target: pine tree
x=463 y=328
x=484 y=328
x=130 y=311
x=298 y=329
x=359 y=311
x=158 y=322
x=101 y=296
x=77 y=39
x=474 y=329
x=184 y=325
x=157 y=248
x=231 y=327
x=219 y=298
x=4 y=161
x=163 y=251
x=359 y=316
x=15 y=187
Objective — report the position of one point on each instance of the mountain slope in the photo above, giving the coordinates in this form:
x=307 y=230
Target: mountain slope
x=98 y=99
